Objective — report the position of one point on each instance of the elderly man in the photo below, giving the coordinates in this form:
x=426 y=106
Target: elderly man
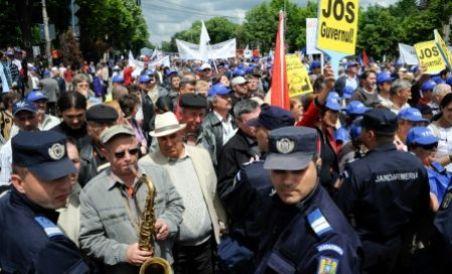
x=46 y=121
x=192 y=173
x=193 y=110
x=241 y=148
x=219 y=121
x=112 y=203
x=187 y=85
x=439 y=92
x=400 y=94
x=25 y=119
x=239 y=89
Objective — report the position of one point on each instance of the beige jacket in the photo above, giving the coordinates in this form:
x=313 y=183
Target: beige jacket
x=207 y=180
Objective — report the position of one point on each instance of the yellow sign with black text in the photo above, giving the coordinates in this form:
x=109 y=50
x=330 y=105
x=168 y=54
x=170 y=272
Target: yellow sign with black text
x=338 y=25
x=443 y=49
x=429 y=57
x=297 y=76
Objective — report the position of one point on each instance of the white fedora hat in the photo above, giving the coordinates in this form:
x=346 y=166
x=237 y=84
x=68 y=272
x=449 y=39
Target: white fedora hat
x=166 y=124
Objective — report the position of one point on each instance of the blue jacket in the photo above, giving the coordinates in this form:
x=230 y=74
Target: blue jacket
x=31 y=242
x=439 y=179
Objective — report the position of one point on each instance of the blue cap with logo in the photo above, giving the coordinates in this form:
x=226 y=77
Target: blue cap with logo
x=342 y=135
x=348 y=92
x=36 y=95
x=356 y=108
x=43 y=153
x=144 y=79
x=272 y=117
x=23 y=105
x=421 y=136
x=384 y=77
x=411 y=114
x=218 y=89
x=118 y=79
x=428 y=85
x=332 y=101
x=291 y=148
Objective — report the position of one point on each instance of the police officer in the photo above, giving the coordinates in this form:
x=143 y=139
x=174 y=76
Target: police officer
x=386 y=194
x=42 y=180
x=301 y=229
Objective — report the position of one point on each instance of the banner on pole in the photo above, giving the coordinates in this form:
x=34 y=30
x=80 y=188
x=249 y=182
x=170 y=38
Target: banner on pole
x=408 y=54
x=297 y=76
x=223 y=50
x=446 y=53
x=338 y=25
x=311 y=36
x=429 y=57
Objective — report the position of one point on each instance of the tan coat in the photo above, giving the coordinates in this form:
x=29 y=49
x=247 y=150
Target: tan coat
x=206 y=178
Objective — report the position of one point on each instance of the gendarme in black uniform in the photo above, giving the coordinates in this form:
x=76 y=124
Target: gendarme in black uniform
x=386 y=194
x=30 y=241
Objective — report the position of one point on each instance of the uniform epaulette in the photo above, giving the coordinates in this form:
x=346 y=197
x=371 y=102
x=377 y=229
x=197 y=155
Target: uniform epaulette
x=51 y=229
x=318 y=222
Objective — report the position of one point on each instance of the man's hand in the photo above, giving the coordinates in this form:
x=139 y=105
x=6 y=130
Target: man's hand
x=161 y=230
x=328 y=73
x=136 y=256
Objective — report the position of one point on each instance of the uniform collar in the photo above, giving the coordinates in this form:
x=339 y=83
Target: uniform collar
x=21 y=200
x=385 y=147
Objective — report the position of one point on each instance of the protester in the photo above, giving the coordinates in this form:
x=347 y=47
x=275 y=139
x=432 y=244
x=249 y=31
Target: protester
x=442 y=129
x=400 y=94
x=367 y=91
x=112 y=202
x=191 y=170
x=46 y=121
x=6 y=118
x=239 y=89
x=51 y=90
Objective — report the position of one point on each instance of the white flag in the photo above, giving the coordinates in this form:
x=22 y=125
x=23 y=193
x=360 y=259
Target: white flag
x=408 y=54
x=311 y=36
x=131 y=59
x=247 y=53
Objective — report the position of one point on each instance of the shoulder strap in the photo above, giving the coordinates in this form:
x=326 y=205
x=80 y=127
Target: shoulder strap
x=318 y=222
x=51 y=229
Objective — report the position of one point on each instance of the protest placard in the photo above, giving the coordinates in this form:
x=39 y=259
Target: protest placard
x=297 y=76
x=443 y=49
x=429 y=57
x=338 y=25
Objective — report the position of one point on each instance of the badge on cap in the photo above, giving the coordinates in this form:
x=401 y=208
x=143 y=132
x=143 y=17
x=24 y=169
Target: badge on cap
x=57 y=151
x=285 y=145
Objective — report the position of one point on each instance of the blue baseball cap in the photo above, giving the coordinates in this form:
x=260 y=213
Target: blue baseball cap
x=117 y=79
x=171 y=72
x=351 y=64
x=332 y=104
x=428 y=85
x=356 y=108
x=238 y=72
x=149 y=72
x=218 y=89
x=449 y=80
x=411 y=114
x=272 y=117
x=356 y=129
x=341 y=135
x=384 y=77
x=43 y=153
x=314 y=65
x=23 y=105
x=144 y=79
x=36 y=95
x=291 y=148
x=421 y=136
x=437 y=79
x=348 y=92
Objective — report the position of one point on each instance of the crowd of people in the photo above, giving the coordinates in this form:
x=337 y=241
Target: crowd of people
x=354 y=178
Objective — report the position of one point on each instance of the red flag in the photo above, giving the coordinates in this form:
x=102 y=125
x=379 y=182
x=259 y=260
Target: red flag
x=365 y=58
x=279 y=88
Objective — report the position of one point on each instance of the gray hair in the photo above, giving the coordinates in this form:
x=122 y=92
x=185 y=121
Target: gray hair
x=441 y=89
x=244 y=107
x=398 y=85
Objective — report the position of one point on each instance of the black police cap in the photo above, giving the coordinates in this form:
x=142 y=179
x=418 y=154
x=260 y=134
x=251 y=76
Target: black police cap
x=191 y=100
x=101 y=114
x=380 y=119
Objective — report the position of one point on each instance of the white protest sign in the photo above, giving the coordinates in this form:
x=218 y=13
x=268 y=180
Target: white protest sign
x=408 y=54
x=311 y=36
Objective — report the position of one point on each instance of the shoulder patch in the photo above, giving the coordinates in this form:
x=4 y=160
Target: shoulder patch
x=330 y=247
x=49 y=227
x=318 y=222
x=327 y=265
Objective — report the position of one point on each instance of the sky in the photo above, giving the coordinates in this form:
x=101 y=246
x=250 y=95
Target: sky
x=166 y=17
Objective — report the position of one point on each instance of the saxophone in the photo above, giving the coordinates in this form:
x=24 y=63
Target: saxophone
x=154 y=265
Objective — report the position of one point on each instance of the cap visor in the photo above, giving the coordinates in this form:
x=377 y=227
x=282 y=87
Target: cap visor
x=53 y=170
x=25 y=109
x=293 y=161
x=253 y=122
x=166 y=132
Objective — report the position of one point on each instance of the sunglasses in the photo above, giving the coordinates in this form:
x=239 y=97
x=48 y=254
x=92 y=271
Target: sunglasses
x=121 y=154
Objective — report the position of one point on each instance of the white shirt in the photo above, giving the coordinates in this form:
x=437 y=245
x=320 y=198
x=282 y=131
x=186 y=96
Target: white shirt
x=226 y=124
x=351 y=82
x=6 y=162
x=444 y=142
x=396 y=110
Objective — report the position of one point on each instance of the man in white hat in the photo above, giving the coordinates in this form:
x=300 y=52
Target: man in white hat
x=192 y=173
x=239 y=89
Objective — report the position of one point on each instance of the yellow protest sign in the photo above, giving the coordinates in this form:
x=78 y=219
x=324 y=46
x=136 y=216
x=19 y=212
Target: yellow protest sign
x=297 y=76
x=445 y=52
x=338 y=25
x=429 y=57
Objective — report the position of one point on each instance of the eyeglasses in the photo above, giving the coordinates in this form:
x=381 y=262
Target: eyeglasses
x=121 y=154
